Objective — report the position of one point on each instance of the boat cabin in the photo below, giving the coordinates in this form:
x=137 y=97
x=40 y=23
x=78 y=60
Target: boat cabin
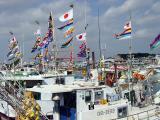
x=80 y=102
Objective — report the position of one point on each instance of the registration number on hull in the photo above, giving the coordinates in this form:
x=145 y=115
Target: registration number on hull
x=105 y=112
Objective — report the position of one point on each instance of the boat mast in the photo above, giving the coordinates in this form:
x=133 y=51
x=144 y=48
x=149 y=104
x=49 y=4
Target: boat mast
x=72 y=50
x=54 y=48
x=22 y=50
x=99 y=37
x=100 y=51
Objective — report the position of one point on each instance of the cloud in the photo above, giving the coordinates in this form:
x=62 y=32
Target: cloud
x=154 y=8
x=126 y=7
x=19 y=16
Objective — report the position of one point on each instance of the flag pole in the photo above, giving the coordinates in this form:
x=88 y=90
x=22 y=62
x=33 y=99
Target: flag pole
x=87 y=49
x=54 y=46
x=72 y=49
x=100 y=52
x=130 y=64
x=99 y=39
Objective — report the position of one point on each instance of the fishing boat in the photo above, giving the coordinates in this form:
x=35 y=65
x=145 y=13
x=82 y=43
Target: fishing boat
x=59 y=96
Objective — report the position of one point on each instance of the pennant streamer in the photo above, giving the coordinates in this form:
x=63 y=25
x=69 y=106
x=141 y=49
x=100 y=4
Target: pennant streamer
x=67 y=43
x=42 y=43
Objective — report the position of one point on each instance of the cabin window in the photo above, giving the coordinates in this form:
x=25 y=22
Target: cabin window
x=122 y=112
x=88 y=96
x=33 y=73
x=108 y=98
x=50 y=117
x=69 y=99
x=98 y=95
x=60 y=80
x=37 y=96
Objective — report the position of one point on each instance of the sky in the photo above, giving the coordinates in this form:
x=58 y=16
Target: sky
x=19 y=17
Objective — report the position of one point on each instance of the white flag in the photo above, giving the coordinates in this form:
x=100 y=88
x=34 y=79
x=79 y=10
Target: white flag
x=66 y=16
x=81 y=37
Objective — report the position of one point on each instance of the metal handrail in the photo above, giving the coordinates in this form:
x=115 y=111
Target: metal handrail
x=157 y=109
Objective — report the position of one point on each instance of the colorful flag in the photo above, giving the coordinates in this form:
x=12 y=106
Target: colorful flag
x=155 y=43
x=14 y=51
x=10 y=55
x=11 y=58
x=81 y=54
x=38 y=32
x=43 y=44
x=38 y=40
x=69 y=23
x=45 y=57
x=68 y=28
x=81 y=37
x=13 y=43
x=68 y=32
x=50 y=28
x=67 y=43
x=126 y=33
x=66 y=16
x=18 y=55
x=82 y=47
x=13 y=40
x=50 y=21
x=38 y=56
x=50 y=35
x=34 y=48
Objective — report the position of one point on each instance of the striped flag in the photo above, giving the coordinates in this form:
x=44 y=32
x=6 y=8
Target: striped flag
x=67 y=43
x=69 y=23
x=155 y=43
x=126 y=33
x=68 y=32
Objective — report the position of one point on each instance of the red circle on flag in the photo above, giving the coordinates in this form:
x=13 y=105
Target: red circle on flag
x=80 y=37
x=66 y=15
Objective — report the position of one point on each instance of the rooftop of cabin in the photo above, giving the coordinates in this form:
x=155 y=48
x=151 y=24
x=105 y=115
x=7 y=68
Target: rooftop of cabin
x=62 y=88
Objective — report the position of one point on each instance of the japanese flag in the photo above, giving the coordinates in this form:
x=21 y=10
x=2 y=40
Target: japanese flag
x=66 y=16
x=81 y=37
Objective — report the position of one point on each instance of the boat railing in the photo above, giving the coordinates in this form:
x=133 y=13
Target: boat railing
x=14 y=96
x=148 y=114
